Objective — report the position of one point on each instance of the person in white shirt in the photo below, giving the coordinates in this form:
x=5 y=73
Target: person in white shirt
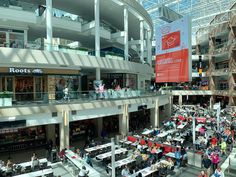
x=66 y=93
x=125 y=172
x=34 y=161
x=218 y=173
x=139 y=147
x=83 y=172
x=169 y=137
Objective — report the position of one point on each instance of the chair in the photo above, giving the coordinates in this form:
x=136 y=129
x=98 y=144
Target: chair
x=27 y=169
x=49 y=175
x=18 y=169
x=43 y=165
x=163 y=171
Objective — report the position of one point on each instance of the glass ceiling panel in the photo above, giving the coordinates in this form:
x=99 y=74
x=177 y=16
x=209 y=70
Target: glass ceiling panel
x=201 y=11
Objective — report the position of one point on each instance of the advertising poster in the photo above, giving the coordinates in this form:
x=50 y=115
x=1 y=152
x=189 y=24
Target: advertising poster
x=173 y=52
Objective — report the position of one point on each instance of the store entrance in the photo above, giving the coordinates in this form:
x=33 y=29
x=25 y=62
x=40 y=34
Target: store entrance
x=24 y=88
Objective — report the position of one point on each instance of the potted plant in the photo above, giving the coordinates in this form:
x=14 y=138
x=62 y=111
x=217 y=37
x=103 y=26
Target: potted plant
x=6 y=98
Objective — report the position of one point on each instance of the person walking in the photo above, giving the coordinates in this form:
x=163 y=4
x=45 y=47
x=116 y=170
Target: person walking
x=203 y=174
x=215 y=160
x=218 y=173
x=206 y=163
x=83 y=172
x=223 y=147
x=66 y=94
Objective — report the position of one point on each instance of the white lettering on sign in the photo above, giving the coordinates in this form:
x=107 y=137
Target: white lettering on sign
x=25 y=71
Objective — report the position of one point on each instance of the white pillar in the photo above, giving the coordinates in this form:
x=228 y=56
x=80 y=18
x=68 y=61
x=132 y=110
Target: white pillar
x=25 y=38
x=126 y=32
x=149 y=47
x=8 y=39
x=194 y=132
x=97 y=27
x=218 y=116
x=142 y=41
x=49 y=24
x=113 y=157
x=211 y=102
x=98 y=74
x=180 y=100
x=155 y=118
x=169 y=106
x=97 y=34
x=64 y=130
x=124 y=121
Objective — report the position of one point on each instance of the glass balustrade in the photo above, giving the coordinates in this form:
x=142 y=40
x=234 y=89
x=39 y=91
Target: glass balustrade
x=25 y=97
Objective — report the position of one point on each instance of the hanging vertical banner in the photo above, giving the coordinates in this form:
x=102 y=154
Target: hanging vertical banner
x=173 y=52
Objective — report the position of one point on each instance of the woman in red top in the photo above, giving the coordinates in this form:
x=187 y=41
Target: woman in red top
x=214 y=142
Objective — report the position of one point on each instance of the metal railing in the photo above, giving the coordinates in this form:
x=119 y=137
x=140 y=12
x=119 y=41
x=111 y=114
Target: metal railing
x=60 y=97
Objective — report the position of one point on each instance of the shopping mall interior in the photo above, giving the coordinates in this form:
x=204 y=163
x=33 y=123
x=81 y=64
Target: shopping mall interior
x=119 y=88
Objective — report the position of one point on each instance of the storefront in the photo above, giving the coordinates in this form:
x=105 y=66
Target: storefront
x=35 y=84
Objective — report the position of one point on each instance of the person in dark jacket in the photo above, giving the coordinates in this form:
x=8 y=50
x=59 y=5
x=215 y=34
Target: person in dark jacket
x=206 y=163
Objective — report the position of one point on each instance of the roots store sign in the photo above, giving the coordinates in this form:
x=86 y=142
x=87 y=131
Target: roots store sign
x=14 y=70
x=173 y=52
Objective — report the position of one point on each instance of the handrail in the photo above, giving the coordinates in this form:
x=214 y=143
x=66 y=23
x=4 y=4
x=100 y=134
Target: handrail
x=57 y=97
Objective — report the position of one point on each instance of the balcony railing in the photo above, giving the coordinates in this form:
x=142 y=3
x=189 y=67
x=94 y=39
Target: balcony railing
x=192 y=87
x=223 y=47
x=60 y=97
x=37 y=45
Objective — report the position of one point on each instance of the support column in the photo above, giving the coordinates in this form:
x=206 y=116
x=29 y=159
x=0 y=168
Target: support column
x=149 y=47
x=211 y=102
x=169 y=106
x=100 y=126
x=49 y=24
x=194 y=132
x=180 y=100
x=98 y=74
x=8 y=39
x=113 y=165
x=124 y=121
x=50 y=133
x=155 y=118
x=25 y=38
x=97 y=34
x=64 y=130
x=97 y=27
x=126 y=32
x=142 y=41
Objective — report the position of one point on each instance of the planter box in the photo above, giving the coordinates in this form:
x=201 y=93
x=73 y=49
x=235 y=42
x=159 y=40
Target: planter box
x=5 y=102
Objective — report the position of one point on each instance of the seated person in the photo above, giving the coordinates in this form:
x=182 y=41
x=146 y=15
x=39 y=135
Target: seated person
x=125 y=172
x=140 y=147
x=153 y=150
x=163 y=170
x=62 y=153
x=34 y=161
x=83 y=172
x=169 y=137
x=9 y=167
x=170 y=164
